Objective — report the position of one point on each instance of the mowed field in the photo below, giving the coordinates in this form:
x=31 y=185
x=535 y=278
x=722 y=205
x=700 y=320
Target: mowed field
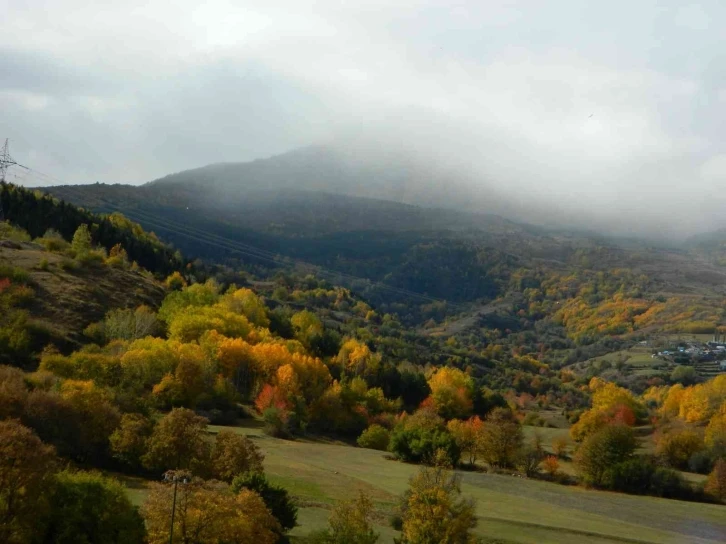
x=510 y=509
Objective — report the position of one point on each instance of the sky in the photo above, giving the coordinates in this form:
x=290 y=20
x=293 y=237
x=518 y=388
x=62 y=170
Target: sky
x=609 y=113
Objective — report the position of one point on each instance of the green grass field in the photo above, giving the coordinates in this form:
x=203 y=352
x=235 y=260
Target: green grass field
x=510 y=509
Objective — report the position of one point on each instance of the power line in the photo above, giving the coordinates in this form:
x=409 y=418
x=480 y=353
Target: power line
x=242 y=248
x=229 y=244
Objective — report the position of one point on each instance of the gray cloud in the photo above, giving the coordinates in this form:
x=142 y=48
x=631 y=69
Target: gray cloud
x=607 y=113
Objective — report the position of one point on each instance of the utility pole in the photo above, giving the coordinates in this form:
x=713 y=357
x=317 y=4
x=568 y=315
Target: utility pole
x=173 y=509
x=176 y=478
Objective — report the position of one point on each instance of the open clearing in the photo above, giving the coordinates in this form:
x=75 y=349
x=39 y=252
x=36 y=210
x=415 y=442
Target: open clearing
x=510 y=509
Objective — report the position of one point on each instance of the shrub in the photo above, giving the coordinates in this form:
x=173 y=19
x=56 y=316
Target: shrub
x=375 y=437
x=53 y=241
x=551 y=465
x=68 y=264
x=276 y=498
x=631 y=476
x=14 y=274
x=642 y=476
x=11 y=232
x=559 y=447
x=419 y=444
x=701 y=462
x=276 y=422
x=91 y=258
x=87 y=507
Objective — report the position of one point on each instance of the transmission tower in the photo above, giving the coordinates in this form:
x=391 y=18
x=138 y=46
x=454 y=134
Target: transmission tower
x=5 y=161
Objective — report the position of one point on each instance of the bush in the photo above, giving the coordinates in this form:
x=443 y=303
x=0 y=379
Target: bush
x=375 y=437
x=418 y=445
x=534 y=420
x=53 y=241
x=642 y=476
x=276 y=498
x=68 y=265
x=91 y=258
x=11 y=232
x=14 y=274
x=684 y=374
x=276 y=422
x=701 y=462
x=86 y=507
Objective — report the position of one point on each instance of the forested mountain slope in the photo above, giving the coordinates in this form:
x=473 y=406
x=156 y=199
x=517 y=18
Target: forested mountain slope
x=457 y=262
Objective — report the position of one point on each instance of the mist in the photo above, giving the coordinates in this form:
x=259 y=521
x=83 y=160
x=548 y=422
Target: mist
x=607 y=116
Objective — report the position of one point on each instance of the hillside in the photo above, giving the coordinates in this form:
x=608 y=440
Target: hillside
x=402 y=257
x=68 y=298
x=63 y=268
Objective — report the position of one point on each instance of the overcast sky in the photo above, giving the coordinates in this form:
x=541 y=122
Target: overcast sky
x=615 y=107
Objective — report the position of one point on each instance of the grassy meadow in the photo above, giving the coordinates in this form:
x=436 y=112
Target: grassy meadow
x=510 y=509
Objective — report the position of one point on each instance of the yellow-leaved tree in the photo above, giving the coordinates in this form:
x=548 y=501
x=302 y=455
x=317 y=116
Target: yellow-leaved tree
x=451 y=392
x=433 y=510
x=208 y=513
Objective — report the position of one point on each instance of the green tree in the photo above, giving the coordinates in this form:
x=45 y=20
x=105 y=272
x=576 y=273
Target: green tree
x=684 y=374
x=178 y=442
x=276 y=498
x=603 y=450
x=13 y=392
x=234 y=454
x=130 y=439
x=26 y=469
x=87 y=508
x=501 y=438
x=81 y=243
x=419 y=444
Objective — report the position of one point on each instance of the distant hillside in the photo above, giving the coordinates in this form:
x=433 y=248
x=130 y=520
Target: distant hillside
x=325 y=169
x=417 y=261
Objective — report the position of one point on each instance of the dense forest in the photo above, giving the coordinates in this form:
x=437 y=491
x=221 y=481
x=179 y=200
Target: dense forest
x=37 y=213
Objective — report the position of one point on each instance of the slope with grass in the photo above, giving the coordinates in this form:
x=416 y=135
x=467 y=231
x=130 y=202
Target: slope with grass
x=68 y=296
x=509 y=509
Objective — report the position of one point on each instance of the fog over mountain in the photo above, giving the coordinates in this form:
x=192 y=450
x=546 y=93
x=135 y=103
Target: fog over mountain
x=603 y=115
